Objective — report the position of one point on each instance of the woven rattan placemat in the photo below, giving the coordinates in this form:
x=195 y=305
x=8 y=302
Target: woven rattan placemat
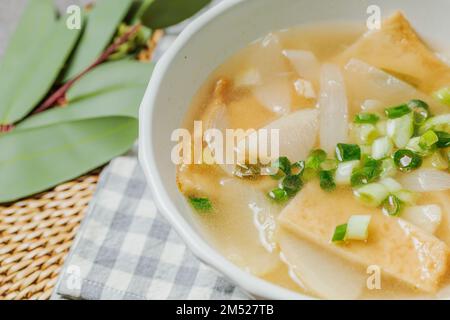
x=36 y=233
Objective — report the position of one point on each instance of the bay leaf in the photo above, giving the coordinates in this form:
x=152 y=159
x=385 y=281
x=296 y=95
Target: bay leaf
x=101 y=26
x=29 y=83
x=41 y=158
x=164 y=13
x=123 y=101
x=110 y=76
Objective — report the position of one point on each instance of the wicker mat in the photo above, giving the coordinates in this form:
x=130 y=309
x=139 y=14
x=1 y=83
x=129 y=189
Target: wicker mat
x=36 y=233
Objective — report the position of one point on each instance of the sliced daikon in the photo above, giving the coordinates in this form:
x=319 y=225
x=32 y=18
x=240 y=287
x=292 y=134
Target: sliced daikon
x=333 y=108
x=427 y=217
x=297 y=133
x=322 y=273
x=305 y=64
x=424 y=180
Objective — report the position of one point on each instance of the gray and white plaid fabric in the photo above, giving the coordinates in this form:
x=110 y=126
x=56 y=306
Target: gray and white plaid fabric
x=126 y=250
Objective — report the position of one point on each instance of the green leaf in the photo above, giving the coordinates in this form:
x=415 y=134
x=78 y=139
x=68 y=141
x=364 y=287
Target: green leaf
x=30 y=84
x=101 y=26
x=34 y=160
x=110 y=76
x=120 y=102
x=164 y=13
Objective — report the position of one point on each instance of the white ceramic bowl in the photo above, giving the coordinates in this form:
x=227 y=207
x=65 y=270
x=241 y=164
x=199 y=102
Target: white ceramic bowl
x=204 y=45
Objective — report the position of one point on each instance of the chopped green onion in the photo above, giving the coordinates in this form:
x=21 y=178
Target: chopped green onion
x=298 y=167
x=365 y=133
x=366 y=150
x=388 y=168
x=391 y=185
x=391 y=206
x=414 y=145
x=327 y=180
x=443 y=139
x=283 y=164
x=382 y=128
x=315 y=158
x=428 y=139
x=372 y=194
x=369 y=172
x=329 y=164
x=292 y=184
x=370 y=118
x=407 y=160
x=201 y=204
x=443 y=95
x=279 y=195
x=381 y=148
x=421 y=111
x=406 y=196
x=400 y=130
x=397 y=112
x=358 y=227
x=437 y=123
x=309 y=174
x=344 y=171
x=348 y=152
x=339 y=233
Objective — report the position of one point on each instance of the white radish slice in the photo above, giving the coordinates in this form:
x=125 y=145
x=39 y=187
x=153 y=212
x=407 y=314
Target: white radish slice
x=247 y=224
x=297 y=133
x=275 y=89
x=424 y=180
x=321 y=272
x=305 y=63
x=275 y=95
x=368 y=82
x=333 y=108
x=427 y=217
x=305 y=88
x=248 y=78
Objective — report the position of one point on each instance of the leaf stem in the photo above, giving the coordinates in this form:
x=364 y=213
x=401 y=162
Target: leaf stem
x=59 y=95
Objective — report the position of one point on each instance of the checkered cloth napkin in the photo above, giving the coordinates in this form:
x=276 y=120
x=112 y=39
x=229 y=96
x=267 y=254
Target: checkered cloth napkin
x=126 y=250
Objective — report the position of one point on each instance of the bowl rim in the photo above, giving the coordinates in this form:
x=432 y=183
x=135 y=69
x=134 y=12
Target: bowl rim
x=252 y=285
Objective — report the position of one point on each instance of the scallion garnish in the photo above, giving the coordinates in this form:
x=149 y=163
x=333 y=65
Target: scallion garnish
x=372 y=194
x=339 y=233
x=327 y=180
x=292 y=184
x=392 y=206
x=283 y=164
x=381 y=148
x=443 y=139
x=369 y=172
x=348 y=152
x=369 y=118
x=344 y=171
x=428 y=139
x=315 y=158
x=443 y=95
x=388 y=168
x=421 y=111
x=358 y=227
x=278 y=195
x=298 y=168
x=329 y=164
x=397 y=112
x=201 y=204
x=400 y=130
x=407 y=160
